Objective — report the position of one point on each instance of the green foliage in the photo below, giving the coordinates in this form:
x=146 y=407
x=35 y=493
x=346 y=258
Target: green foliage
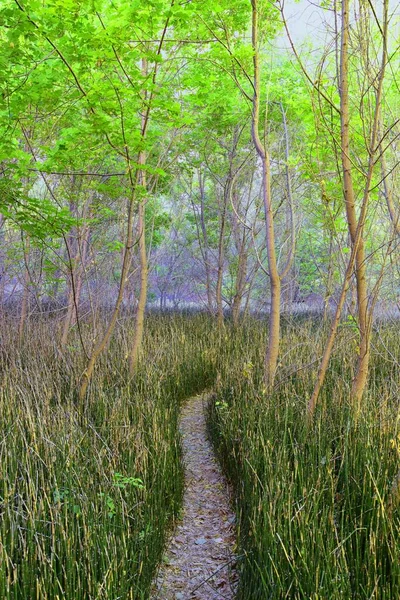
x=39 y=217
x=158 y=220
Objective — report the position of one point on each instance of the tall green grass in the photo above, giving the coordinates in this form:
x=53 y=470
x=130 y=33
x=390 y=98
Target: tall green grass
x=311 y=502
x=87 y=492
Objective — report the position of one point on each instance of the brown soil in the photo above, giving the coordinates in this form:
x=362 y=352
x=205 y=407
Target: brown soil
x=199 y=562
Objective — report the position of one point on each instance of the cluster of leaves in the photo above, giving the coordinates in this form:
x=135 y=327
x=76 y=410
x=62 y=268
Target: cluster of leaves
x=38 y=217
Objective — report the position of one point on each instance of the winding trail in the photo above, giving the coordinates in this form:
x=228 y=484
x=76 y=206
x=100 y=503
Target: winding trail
x=199 y=562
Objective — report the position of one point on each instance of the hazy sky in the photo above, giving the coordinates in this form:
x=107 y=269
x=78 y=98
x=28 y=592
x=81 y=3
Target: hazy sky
x=305 y=20
x=312 y=25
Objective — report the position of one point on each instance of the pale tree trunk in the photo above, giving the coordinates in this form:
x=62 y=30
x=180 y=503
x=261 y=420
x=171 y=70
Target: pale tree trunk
x=141 y=307
x=223 y=211
x=68 y=315
x=25 y=293
x=387 y=191
x=240 y=283
x=134 y=180
x=334 y=326
x=102 y=344
x=75 y=286
x=2 y=263
x=204 y=246
x=241 y=236
x=80 y=275
x=26 y=251
x=221 y=254
x=356 y=234
x=240 y=239
x=202 y=238
x=271 y=357
x=360 y=378
x=290 y=223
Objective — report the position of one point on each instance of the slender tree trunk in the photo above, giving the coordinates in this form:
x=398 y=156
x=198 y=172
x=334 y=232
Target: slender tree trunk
x=81 y=272
x=221 y=255
x=25 y=293
x=240 y=235
x=141 y=308
x=68 y=317
x=290 y=224
x=241 y=273
x=240 y=284
x=332 y=335
x=360 y=378
x=387 y=191
x=329 y=282
x=102 y=344
x=134 y=180
x=75 y=287
x=218 y=297
x=271 y=357
x=2 y=263
x=206 y=252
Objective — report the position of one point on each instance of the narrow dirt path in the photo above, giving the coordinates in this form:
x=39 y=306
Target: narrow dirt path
x=199 y=561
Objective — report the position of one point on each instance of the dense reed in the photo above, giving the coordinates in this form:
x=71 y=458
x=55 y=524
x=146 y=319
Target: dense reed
x=312 y=502
x=87 y=492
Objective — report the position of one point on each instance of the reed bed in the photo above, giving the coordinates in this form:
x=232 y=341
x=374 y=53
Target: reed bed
x=312 y=502
x=87 y=492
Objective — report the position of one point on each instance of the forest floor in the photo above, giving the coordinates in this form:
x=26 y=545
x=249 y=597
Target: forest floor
x=199 y=563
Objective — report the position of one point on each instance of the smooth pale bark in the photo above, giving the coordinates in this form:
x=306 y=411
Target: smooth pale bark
x=241 y=236
x=2 y=263
x=141 y=307
x=241 y=273
x=240 y=285
x=360 y=378
x=291 y=226
x=202 y=238
x=75 y=286
x=72 y=298
x=388 y=193
x=221 y=251
x=102 y=344
x=24 y=307
x=362 y=368
x=286 y=275
x=334 y=327
x=205 y=247
x=345 y=287
x=25 y=293
x=271 y=356
x=134 y=178
x=228 y=187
